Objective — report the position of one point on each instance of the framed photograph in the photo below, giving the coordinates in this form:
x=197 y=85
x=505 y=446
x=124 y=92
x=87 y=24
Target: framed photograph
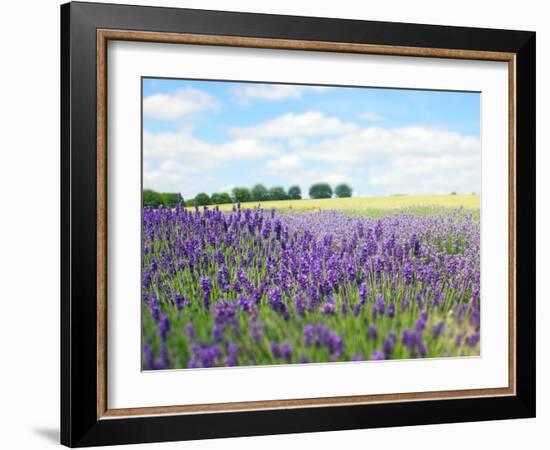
x=277 y=224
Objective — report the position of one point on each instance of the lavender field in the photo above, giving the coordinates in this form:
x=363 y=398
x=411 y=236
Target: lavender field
x=257 y=287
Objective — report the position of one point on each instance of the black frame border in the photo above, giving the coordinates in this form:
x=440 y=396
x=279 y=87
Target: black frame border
x=79 y=423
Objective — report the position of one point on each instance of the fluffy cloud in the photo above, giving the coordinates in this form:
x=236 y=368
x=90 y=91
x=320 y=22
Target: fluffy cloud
x=184 y=146
x=370 y=117
x=179 y=162
x=410 y=160
x=249 y=92
x=295 y=127
x=176 y=105
x=375 y=143
x=284 y=164
x=311 y=147
x=428 y=175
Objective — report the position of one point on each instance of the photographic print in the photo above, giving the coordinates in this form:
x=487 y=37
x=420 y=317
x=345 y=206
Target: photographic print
x=295 y=224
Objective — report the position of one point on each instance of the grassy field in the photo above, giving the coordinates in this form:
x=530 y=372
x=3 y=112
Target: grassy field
x=420 y=204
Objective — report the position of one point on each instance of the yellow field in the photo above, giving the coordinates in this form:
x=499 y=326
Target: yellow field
x=358 y=204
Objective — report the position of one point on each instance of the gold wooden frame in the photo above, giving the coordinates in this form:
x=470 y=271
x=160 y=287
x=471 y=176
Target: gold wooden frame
x=103 y=36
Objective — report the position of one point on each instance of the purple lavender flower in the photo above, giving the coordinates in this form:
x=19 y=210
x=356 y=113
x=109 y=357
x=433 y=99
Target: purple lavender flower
x=164 y=361
x=391 y=310
x=363 y=292
x=300 y=304
x=475 y=320
x=373 y=331
x=407 y=273
x=286 y=351
x=379 y=306
x=255 y=329
x=206 y=286
x=217 y=332
x=275 y=300
x=438 y=329
x=232 y=354
x=225 y=313
x=388 y=345
x=328 y=307
x=180 y=301
x=310 y=335
x=155 y=311
x=190 y=331
x=163 y=327
x=473 y=339
x=276 y=350
x=148 y=358
x=229 y=270
x=321 y=335
x=420 y=324
x=204 y=355
x=245 y=304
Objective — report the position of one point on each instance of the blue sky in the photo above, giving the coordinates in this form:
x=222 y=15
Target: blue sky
x=209 y=136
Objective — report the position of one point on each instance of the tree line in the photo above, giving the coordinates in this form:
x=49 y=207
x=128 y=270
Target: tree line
x=155 y=199
x=258 y=193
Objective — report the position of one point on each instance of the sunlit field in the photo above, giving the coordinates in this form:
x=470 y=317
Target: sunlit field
x=422 y=204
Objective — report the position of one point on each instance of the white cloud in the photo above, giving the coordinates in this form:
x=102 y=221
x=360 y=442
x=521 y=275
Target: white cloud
x=176 y=105
x=311 y=147
x=179 y=162
x=428 y=175
x=274 y=92
x=370 y=117
x=284 y=164
x=296 y=126
x=182 y=145
x=375 y=143
x=411 y=160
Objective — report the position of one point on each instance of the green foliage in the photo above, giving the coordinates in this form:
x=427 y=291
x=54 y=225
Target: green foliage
x=320 y=190
x=294 y=193
x=278 y=193
x=260 y=193
x=342 y=190
x=202 y=199
x=241 y=194
x=170 y=200
x=220 y=198
x=151 y=199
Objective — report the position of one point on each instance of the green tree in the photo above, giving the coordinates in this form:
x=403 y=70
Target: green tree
x=342 y=190
x=259 y=193
x=220 y=198
x=151 y=199
x=225 y=197
x=202 y=199
x=320 y=190
x=294 y=193
x=216 y=198
x=170 y=200
x=277 y=193
x=241 y=194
